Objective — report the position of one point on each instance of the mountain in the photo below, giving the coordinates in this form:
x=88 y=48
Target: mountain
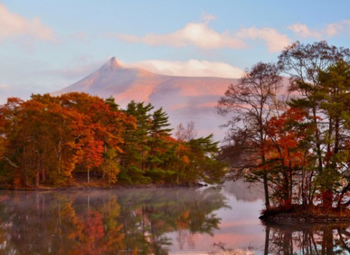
x=183 y=98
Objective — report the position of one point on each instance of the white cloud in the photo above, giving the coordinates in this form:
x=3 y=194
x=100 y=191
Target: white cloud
x=3 y=86
x=13 y=25
x=191 y=68
x=195 y=34
x=206 y=17
x=202 y=36
x=273 y=39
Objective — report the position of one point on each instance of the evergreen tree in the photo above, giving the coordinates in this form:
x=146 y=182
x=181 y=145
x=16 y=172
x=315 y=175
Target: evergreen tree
x=160 y=149
x=135 y=148
x=307 y=65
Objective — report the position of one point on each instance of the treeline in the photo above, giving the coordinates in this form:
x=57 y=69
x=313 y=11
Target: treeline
x=54 y=140
x=295 y=141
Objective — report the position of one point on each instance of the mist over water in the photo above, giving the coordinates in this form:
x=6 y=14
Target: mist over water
x=154 y=221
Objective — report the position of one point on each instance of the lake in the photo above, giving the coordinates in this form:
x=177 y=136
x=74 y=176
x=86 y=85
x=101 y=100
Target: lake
x=155 y=221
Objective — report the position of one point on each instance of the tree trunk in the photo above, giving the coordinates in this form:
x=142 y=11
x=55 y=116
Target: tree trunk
x=43 y=177
x=267 y=240
x=266 y=190
x=37 y=179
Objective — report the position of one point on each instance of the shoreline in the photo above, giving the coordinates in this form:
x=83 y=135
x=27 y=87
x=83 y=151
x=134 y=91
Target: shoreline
x=290 y=219
x=104 y=187
x=297 y=214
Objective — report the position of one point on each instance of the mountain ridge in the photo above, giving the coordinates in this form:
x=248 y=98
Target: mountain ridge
x=183 y=98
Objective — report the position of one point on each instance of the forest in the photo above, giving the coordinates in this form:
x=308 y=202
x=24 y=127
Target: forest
x=292 y=135
x=56 y=141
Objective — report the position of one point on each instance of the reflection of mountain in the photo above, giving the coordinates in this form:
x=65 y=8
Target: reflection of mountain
x=184 y=98
x=105 y=222
x=243 y=190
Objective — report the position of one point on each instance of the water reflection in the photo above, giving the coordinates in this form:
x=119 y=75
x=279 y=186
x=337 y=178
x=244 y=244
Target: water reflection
x=308 y=239
x=155 y=221
x=105 y=222
x=244 y=191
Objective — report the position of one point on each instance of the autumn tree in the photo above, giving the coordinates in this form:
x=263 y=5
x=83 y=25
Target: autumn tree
x=106 y=124
x=318 y=92
x=251 y=103
x=288 y=158
x=51 y=140
x=41 y=140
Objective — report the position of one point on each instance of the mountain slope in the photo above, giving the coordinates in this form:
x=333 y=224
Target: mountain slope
x=184 y=98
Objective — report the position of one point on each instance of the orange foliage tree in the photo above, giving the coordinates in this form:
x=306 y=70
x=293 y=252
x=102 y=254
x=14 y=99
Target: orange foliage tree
x=54 y=140
x=287 y=156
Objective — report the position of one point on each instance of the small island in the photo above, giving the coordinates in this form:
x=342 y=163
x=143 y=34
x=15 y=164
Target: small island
x=292 y=134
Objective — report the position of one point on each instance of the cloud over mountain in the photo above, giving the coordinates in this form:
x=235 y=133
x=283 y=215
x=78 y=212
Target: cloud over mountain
x=190 y=68
x=193 y=34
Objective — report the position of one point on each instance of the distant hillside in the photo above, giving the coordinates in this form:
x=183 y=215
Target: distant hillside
x=184 y=98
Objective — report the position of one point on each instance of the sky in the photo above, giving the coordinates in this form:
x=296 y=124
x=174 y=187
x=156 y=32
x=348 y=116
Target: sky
x=48 y=45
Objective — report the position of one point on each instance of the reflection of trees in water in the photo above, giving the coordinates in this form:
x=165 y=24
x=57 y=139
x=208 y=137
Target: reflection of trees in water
x=308 y=239
x=162 y=211
x=105 y=222
x=244 y=191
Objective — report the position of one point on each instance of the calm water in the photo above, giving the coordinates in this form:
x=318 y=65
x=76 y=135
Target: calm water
x=154 y=221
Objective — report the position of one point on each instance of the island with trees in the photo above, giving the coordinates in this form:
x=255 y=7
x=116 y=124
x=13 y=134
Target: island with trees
x=292 y=134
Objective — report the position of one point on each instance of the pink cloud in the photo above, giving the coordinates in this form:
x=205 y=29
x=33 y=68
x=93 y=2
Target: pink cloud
x=333 y=29
x=199 y=88
x=13 y=25
x=208 y=105
x=330 y=30
x=274 y=40
x=178 y=106
x=303 y=31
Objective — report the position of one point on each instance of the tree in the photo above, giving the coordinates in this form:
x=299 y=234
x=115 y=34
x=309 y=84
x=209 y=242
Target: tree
x=158 y=144
x=185 y=134
x=106 y=125
x=306 y=64
x=288 y=157
x=135 y=147
x=204 y=164
x=252 y=101
x=52 y=140
x=335 y=98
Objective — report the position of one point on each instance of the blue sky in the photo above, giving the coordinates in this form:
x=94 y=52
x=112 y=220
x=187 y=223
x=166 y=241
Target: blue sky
x=47 y=45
